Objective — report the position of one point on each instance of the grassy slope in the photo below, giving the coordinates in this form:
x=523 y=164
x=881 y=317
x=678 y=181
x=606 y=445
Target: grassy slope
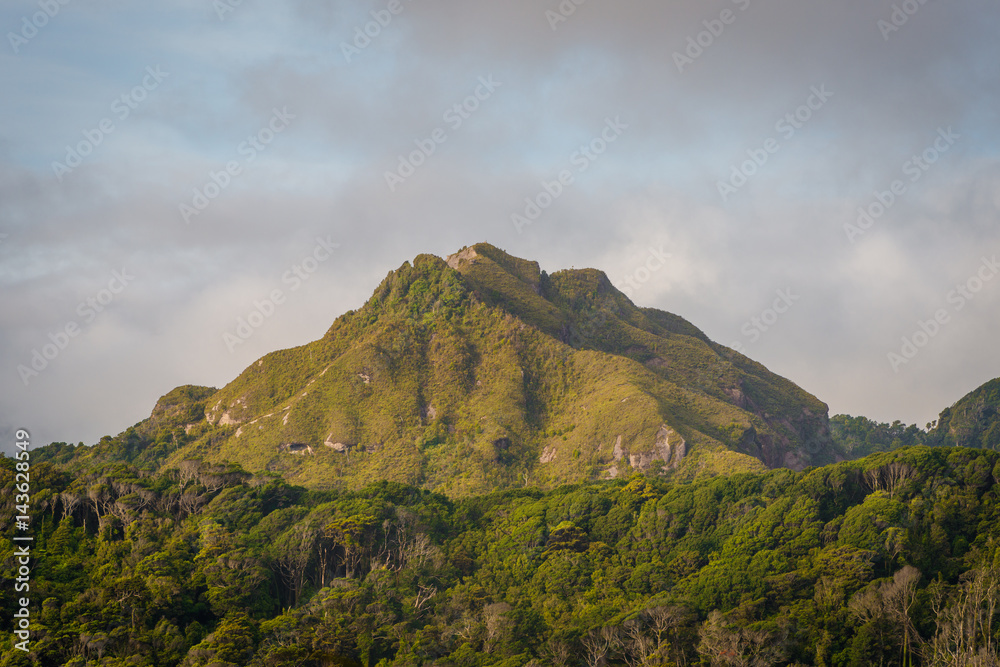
x=459 y=380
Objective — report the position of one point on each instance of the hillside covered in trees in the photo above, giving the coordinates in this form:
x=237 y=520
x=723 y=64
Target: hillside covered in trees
x=489 y=465
x=888 y=560
x=973 y=421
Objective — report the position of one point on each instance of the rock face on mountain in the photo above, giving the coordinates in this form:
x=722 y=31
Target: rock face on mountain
x=481 y=371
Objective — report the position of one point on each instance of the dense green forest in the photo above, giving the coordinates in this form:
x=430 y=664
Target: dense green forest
x=971 y=422
x=858 y=437
x=889 y=560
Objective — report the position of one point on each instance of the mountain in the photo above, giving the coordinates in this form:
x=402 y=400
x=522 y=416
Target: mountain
x=179 y=542
x=481 y=371
x=974 y=421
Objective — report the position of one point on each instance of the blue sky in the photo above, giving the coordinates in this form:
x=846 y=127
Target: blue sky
x=656 y=186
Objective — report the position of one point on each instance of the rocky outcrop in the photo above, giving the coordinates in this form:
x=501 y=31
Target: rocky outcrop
x=337 y=446
x=464 y=255
x=668 y=447
x=227 y=418
x=618 y=453
x=295 y=448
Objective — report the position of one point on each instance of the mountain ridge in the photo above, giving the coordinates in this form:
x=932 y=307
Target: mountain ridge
x=481 y=371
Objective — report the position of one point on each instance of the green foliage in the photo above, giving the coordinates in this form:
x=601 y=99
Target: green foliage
x=860 y=436
x=205 y=564
x=525 y=510
x=974 y=421
x=869 y=526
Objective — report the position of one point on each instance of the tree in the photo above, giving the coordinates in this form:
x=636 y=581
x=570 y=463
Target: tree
x=293 y=554
x=887 y=605
x=599 y=644
x=495 y=624
x=964 y=620
x=739 y=647
x=232 y=642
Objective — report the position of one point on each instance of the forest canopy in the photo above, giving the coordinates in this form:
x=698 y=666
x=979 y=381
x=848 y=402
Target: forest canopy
x=891 y=559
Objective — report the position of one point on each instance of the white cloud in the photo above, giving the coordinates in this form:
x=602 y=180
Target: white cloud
x=657 y=185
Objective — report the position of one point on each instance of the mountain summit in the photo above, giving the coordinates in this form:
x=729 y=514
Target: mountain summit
x=481 y=371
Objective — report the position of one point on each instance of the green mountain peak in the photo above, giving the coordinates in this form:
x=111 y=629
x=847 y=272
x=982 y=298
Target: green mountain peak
x=481 y=371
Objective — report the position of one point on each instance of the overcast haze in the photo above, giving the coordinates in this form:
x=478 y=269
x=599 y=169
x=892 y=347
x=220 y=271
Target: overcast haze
x=832 y=104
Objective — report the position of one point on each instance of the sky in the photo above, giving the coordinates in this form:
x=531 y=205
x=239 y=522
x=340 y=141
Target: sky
x=188 y=185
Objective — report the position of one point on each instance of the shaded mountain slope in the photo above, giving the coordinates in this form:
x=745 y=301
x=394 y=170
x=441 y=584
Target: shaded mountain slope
x=974 y=421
